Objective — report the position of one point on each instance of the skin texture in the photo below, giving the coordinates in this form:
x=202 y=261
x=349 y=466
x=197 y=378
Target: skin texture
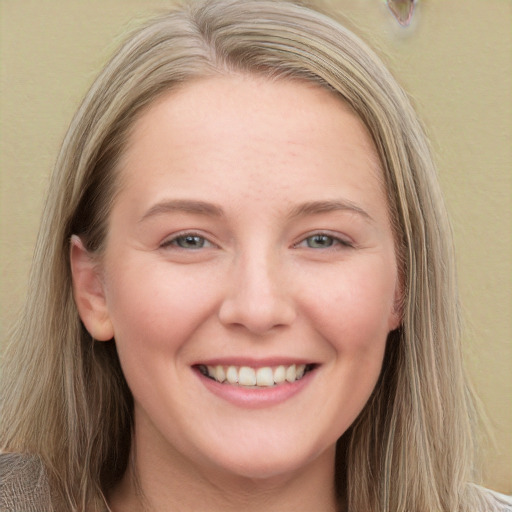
x=242 y=164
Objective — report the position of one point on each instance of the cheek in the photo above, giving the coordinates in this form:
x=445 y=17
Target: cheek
x=155 y=313
x=354 y=319
x=355 y=311
x=154 y=307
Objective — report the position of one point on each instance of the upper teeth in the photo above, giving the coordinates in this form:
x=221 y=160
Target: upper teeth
x=247 y=376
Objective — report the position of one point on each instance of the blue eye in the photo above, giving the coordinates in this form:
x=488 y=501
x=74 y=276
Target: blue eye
x=320 y=241
x=323 y=241
x=188 y=241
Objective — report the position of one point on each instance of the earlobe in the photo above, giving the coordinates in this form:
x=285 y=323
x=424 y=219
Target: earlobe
x=88 y=291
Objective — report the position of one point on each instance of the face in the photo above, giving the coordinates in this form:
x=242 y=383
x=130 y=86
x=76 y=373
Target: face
x=249 y=275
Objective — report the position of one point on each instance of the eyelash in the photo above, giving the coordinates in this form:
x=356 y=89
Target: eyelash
x=174 y=241
x=335 y=242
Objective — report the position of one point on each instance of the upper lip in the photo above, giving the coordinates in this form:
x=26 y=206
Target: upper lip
x=252 y=362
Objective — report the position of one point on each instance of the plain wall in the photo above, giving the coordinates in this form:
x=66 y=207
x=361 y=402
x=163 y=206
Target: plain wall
x=455 y=60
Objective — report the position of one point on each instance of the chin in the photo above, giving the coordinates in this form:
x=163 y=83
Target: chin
x=263 y=464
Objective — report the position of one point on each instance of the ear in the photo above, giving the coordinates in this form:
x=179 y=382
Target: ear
x=88 y=291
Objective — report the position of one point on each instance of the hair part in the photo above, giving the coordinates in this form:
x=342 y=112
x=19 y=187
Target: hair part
x=66 y=398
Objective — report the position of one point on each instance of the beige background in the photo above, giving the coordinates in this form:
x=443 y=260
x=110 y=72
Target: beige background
x=455 y=60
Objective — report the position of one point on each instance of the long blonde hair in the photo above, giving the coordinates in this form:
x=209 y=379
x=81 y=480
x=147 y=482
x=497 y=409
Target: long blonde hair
x=65 y=397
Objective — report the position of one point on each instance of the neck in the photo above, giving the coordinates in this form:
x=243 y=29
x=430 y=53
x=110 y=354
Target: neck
x=157 y=483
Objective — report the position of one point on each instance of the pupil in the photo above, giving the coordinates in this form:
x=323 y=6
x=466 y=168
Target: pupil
x=191 y=241
x=321 y=241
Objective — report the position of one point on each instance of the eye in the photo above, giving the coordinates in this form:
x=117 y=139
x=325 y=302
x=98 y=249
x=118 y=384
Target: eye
x=187 y=241
x=322 y=241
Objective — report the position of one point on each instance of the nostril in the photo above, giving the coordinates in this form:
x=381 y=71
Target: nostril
x=258 y=298
x=257 y=318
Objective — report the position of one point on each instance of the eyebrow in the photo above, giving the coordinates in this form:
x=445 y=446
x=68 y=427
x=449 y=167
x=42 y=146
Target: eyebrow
x=319 y=207
x=185 y=206
x=213 y=210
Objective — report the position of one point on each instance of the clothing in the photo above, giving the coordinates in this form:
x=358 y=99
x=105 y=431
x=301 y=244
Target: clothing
x=503 y=500
x=24 y=486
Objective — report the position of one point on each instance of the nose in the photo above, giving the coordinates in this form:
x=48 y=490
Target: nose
x=257 y=296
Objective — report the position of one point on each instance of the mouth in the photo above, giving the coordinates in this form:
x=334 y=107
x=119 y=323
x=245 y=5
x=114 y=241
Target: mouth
x=250 y=377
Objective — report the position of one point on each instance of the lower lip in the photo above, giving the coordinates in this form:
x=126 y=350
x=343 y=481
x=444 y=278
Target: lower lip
x=254 y=398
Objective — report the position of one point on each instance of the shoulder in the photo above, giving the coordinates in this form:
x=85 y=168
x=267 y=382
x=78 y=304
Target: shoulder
x=503 y=501
x=500 y=502
x=23 y=484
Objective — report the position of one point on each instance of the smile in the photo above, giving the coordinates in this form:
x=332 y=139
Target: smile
x=247 y=376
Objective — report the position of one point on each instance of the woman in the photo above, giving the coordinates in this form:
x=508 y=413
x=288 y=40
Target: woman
x=243 y=291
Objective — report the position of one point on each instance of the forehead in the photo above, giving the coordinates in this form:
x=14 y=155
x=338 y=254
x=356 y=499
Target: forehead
x=250 y=130
x=218 y=105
